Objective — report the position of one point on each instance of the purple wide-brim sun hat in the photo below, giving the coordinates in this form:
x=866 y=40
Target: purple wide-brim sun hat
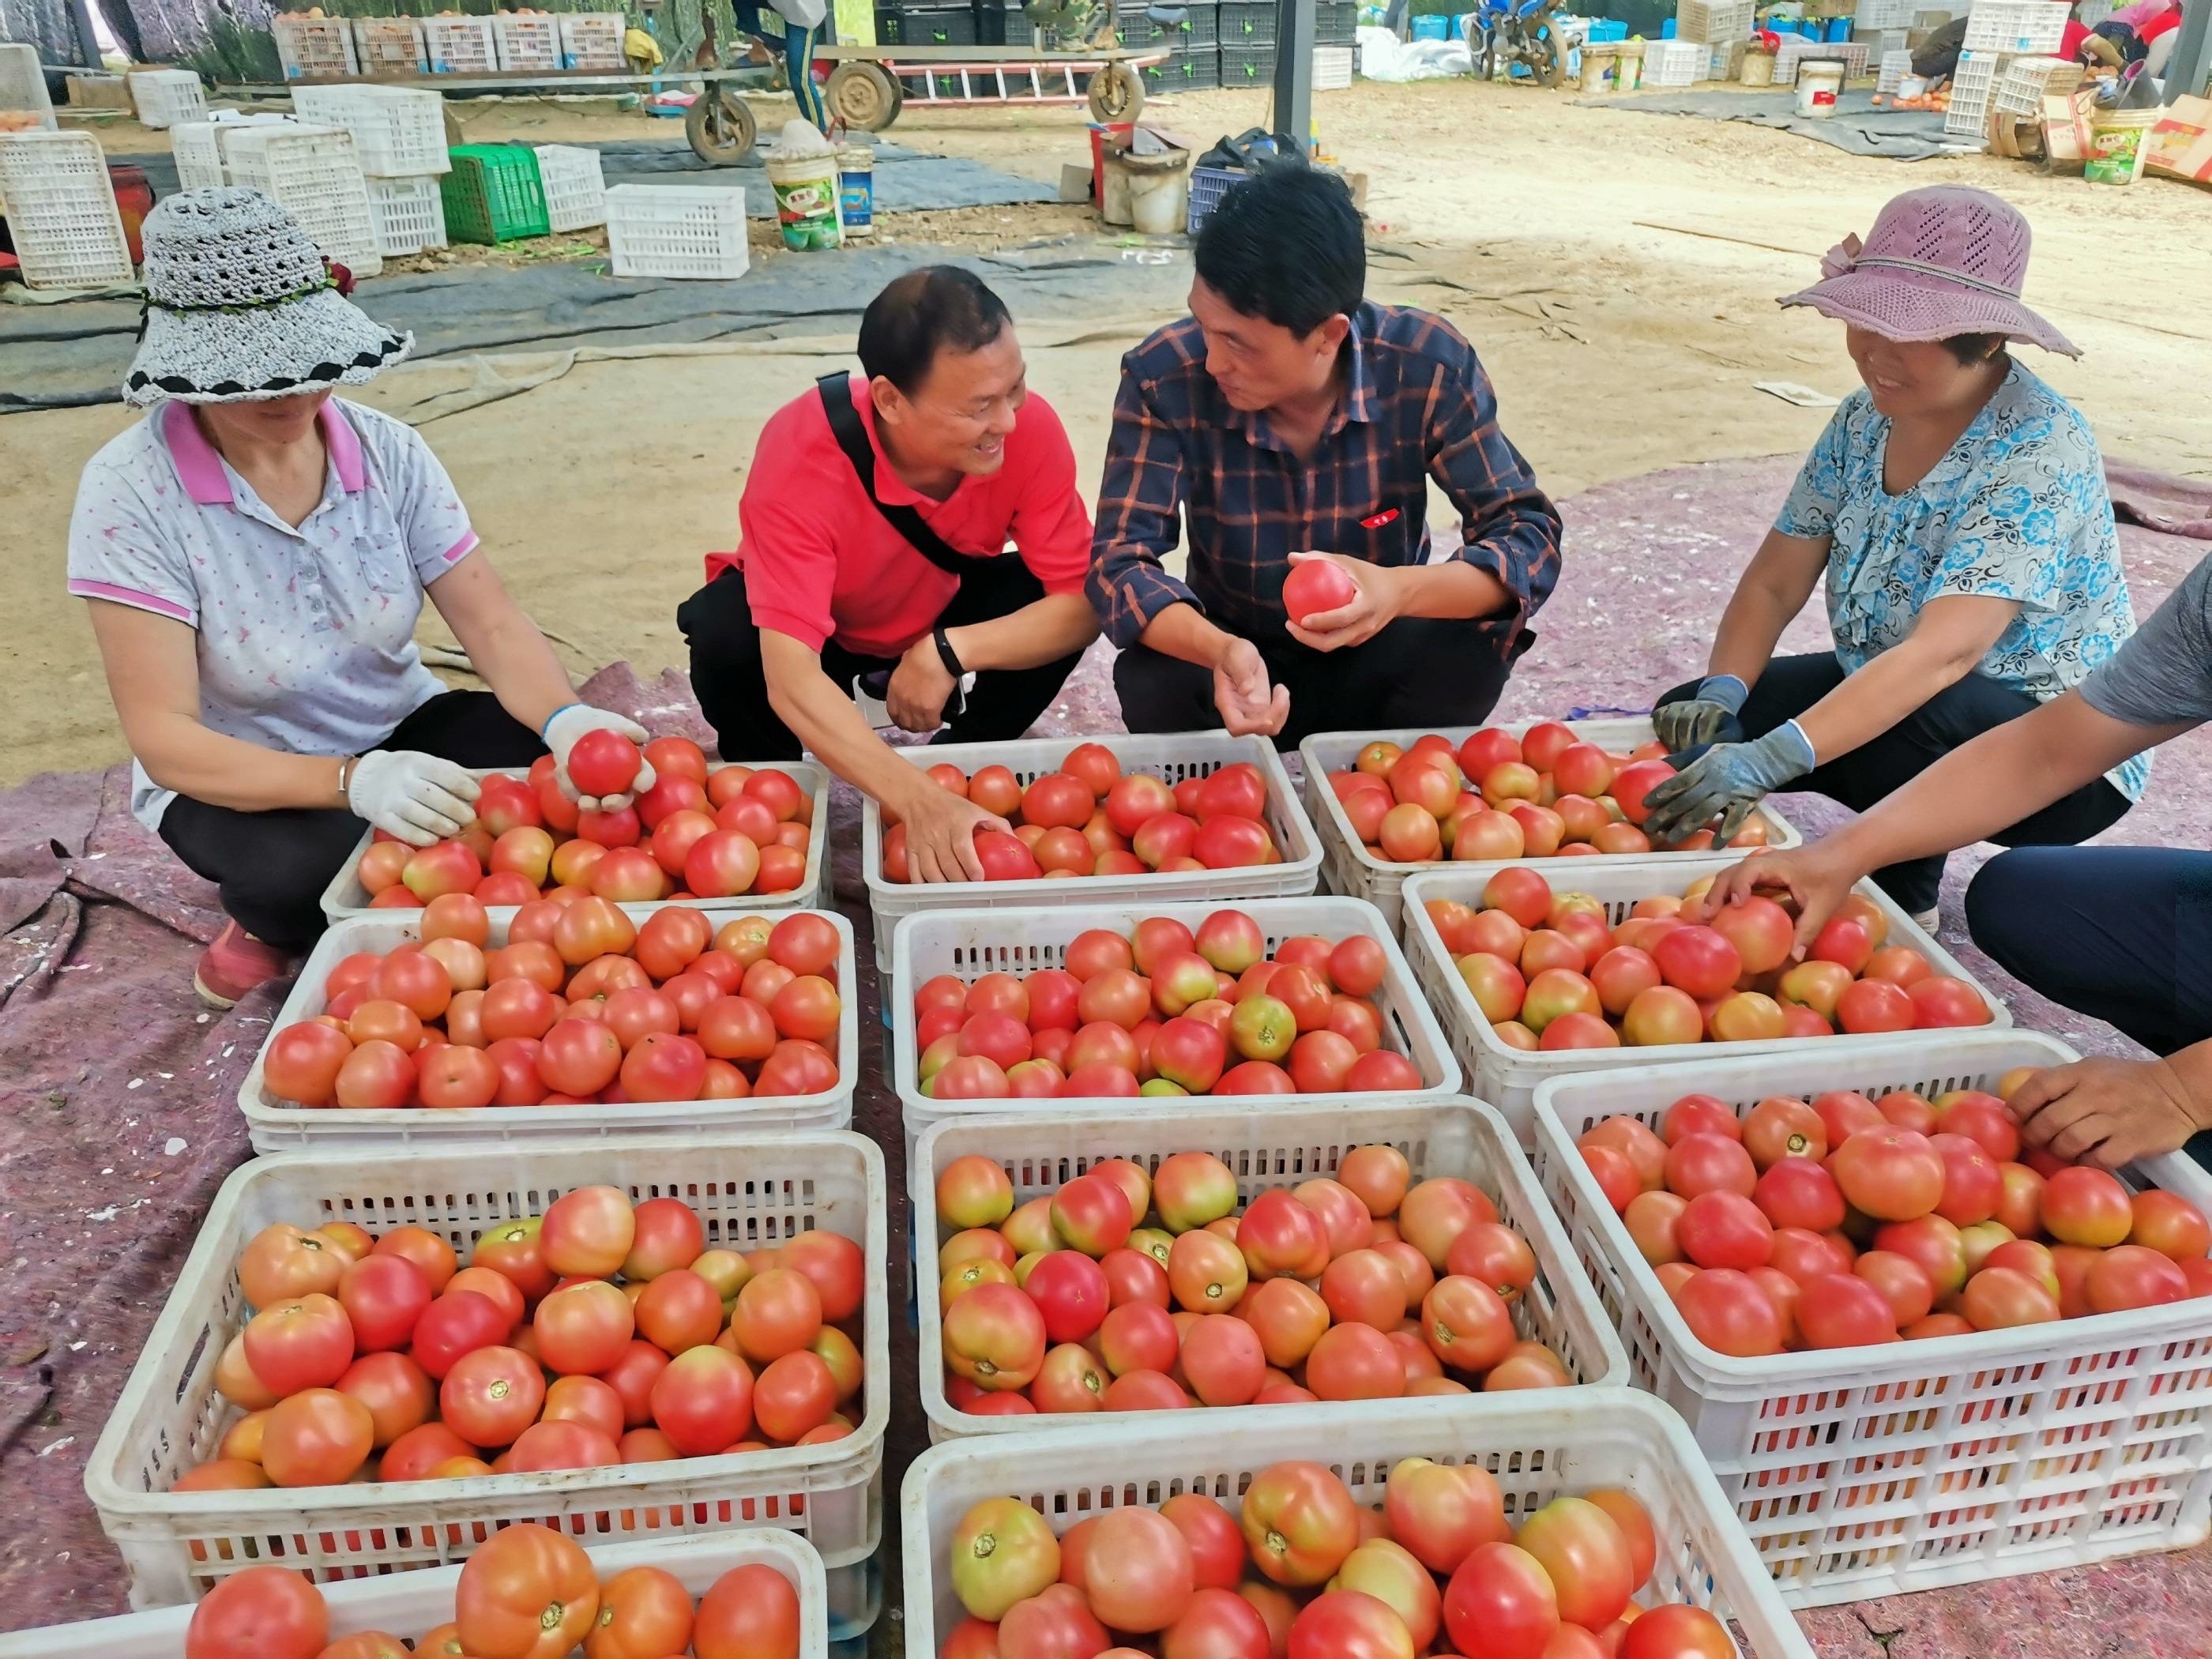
x=1940 y=262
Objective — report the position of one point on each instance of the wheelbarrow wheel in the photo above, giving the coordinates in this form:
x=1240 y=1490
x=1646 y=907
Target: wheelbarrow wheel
x=721 y=127
x=864 y=95
x=1117 y=94
x=1548 y=58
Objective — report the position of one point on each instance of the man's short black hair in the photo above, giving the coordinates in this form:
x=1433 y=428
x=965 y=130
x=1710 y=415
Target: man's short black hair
x=936 y=308
x=1286 y=246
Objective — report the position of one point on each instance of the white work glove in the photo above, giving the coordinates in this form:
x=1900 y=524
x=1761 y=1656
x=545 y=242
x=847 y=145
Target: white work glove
x=569 y=724
x=416 y=797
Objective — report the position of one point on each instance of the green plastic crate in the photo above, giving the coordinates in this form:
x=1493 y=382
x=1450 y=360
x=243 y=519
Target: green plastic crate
x=494 y=194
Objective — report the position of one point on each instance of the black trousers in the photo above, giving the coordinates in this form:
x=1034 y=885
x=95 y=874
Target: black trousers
x=2115 y=933
x=273 y=866
x=732 y=687
x=1416 y=671
x=1953 y=716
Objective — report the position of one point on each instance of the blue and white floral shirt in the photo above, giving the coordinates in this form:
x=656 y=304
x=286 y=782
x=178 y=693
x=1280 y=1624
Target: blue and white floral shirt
x=2017 y=510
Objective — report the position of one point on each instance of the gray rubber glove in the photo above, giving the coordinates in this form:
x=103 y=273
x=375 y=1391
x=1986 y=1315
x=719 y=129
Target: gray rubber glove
x=1727 y=782
x=1705 y=717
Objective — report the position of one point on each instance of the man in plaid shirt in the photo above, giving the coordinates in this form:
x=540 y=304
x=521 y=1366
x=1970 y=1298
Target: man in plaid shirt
x=1291 y=420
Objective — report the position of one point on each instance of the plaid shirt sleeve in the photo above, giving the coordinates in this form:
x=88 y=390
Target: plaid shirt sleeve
x=1509 y=527
x=1137 y=526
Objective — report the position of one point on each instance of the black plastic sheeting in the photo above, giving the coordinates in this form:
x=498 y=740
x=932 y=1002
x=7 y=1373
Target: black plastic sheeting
x=1902 y=134
x=63 y=357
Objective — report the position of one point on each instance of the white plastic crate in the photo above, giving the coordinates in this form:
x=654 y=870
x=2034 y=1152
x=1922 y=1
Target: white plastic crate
x=1332 y=68
x=460 y=45
x=411 y=1605
x=1508 y=1078
x=1880 y=1470
x=1973 y=88
x=593 y=41
x=678 y=231
x=970 y=944
x=752 y=1193
x=23 y=85
x=165 y=97
x=198 y=153
x=314 y=173
x=1716 y=22
x=2027 y=81
x=1875 y=15
x=1172 y=759
x=311 y=48
x=1675 y=63
x=1266 y=1146
x=409 y=215
x=575 y=187
x=346 y=897
x=398 y=132
x=390 y=45
x=1551 y=1443
x=61 y=210
x=276 y=1126
x=1796 y=50
x=1346 y=865
x=2016 y=26
x=1895 y=66
x=526 y=43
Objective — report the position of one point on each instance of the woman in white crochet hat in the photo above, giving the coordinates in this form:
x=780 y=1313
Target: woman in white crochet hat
x=254 y=553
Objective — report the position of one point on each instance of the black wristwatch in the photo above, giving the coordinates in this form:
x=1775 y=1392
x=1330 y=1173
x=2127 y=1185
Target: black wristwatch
x=945 y=654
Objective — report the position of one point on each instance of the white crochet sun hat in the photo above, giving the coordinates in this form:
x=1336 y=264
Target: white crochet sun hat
x=239 y=306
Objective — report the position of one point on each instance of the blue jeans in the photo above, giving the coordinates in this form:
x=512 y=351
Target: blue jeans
x=798 y=57
x=2115 y=933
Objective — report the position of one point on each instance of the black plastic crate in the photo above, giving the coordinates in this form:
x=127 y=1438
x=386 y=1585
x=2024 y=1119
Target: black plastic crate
x=1201 y=72
x=1246 y=23
x=1248 y=66
x=933 y=25
x=1004 y=23
x=1336 y=23
x=1201 y=29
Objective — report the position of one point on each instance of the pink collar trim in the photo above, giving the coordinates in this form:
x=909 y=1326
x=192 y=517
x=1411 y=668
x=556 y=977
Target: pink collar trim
x=201 y=469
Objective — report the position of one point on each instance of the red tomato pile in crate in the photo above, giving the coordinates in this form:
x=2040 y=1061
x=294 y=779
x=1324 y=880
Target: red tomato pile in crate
x=528 y=1593
x=1842 y=1221
x=1544 y=794
x=1353 y=1288
x=595 y=1335
x=693 y=834
x=1301 y=1570
x=581 y=1006
x=1548 y=973
x=1088 y=819
x=1166 y=1012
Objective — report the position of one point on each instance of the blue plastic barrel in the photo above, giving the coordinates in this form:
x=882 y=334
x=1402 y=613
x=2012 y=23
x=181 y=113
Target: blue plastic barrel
x=1431 y=25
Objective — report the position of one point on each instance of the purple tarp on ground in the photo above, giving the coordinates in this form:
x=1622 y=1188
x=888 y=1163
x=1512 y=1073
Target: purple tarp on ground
x=117 y=1119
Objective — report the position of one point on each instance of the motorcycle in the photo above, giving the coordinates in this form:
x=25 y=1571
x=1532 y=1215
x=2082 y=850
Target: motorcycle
x=1526 y=34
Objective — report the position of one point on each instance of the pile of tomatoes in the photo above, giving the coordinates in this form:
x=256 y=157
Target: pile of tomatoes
x=595 y=1335
x=529 y=1593
x=1301 y=1570
x=580 y=1006
x=1122 y=1291
x=1089 y=819
x=1547 y=973
x=1544 y=794
x=695 y=834
x=1166 y=1012
x=1842 y=1221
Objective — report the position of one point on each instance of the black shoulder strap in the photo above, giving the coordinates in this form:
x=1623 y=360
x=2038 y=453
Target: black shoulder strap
x=853 y=438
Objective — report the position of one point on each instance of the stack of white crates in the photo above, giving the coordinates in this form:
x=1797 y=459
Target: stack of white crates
x=61 y=210
x=400 y=139
x=166 y=98
x=593 y=41
x=1715 y=22
x=1972 y=86
x=1675 y=63
x=460 y=45
x=314 y=173
x=2027 y=81
x=528 y=43
x=23 y=88
x=390 y=45
x=2016 y=26
x=1852 y=54
x=575 y=187
x=1895 y=66
x=314 y=48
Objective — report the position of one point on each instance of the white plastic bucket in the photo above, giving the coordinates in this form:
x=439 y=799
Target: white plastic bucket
x=1159 y=190
x=806 y=200
x=1818 y=85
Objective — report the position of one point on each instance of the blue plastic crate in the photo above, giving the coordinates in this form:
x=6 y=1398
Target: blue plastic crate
x=1207 y=186
x=1431 y=25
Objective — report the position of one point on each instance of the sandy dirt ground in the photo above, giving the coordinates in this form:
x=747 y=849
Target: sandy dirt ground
x=1617 y=271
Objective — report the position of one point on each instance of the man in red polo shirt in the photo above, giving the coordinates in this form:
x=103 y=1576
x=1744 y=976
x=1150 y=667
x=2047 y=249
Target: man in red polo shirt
x=904 y=574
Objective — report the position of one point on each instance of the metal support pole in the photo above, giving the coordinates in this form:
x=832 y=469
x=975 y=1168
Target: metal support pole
x=87 y=37
x=2190 y=67
x=1294 y=50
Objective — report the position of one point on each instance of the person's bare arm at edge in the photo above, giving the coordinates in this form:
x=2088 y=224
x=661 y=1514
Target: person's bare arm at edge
x=1976 y=790
x=1248 y=703
x=940 y=827
x=1773 y=589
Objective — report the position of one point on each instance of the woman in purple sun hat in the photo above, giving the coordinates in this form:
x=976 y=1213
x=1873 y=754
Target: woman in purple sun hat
x=1954 y=514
